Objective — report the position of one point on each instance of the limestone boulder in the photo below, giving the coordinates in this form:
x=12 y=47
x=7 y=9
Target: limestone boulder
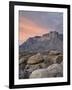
x=31 y=68
x=39 y=73
x=22 y=63
x=53 y=59
x=53 y=52
x=47 y=60
x=59 y=59
x=22 y=60
x=35 y=59
x=54 y=70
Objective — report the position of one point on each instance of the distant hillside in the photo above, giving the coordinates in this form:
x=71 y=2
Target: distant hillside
x=46 y=42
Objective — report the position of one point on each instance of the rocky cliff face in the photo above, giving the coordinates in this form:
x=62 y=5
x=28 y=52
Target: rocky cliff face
x=46 y=42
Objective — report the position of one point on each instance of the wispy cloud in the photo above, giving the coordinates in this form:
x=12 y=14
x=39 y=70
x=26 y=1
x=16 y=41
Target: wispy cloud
x=28 y=28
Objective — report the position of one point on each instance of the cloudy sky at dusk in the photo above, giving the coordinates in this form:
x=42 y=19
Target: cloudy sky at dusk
x=34 y=23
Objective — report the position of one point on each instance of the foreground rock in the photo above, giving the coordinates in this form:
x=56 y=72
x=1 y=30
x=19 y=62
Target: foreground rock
x=31 y=68
x=22 y=60
x=35 y=62
x=52 y=52
x=22 y=63
x=54 y=70
x=52 y=59
x=59 y=59
x=46 y=64
x=48 y=60
x=35 y=59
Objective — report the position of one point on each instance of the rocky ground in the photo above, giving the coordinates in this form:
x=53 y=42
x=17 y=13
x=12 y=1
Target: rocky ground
x=41 y=65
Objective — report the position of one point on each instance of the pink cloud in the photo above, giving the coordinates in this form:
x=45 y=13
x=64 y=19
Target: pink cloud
x=28 y=28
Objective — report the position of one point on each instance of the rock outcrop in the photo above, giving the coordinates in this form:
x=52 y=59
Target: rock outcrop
x=41 y=65
x=35 y=59
x=54 y=70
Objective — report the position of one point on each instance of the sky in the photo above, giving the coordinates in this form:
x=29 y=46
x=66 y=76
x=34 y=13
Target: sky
x=36 y=23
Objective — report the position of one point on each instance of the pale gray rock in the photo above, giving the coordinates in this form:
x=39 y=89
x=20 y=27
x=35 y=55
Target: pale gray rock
x=35 y=59
x=47 y=60
x=59 y=59
x=54 y=52
x=22 y=60
x=53 y=59
x=39 y=73
x=54 y=70
x=31 y=68
x=61 y=64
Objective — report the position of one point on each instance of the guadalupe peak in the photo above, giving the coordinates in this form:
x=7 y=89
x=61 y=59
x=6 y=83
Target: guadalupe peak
x=52 y=34
x=49 y=41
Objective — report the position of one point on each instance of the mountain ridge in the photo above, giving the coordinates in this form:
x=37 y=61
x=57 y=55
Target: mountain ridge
x=49 y=41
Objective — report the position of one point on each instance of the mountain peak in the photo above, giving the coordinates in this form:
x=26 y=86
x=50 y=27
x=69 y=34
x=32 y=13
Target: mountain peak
x=49 y=41
x=52 y=34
